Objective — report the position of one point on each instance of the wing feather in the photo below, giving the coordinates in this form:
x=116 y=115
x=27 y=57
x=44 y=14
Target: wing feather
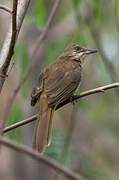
x=60 y=89
x=36 y=92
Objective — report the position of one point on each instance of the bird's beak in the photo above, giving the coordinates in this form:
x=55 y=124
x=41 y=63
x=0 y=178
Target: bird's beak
x=90 y=51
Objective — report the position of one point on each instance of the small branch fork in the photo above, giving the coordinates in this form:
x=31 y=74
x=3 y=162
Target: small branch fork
x=45 y=160
x=83 y=94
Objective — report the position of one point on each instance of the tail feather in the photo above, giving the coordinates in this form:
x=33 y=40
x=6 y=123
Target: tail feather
x=42 y=131
x=50 y=128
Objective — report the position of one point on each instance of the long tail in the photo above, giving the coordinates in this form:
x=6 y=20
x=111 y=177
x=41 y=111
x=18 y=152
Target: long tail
x=42 y=130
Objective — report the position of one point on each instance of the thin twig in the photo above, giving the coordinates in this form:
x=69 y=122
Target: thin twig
x=5 y=66
x=13 y=38
x=7 y=48
x=45 y=160
x=21 y=123
x=34 y=54
x=101 y=89
x=6 y=9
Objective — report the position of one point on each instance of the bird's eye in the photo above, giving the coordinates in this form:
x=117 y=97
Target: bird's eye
x=77 y=48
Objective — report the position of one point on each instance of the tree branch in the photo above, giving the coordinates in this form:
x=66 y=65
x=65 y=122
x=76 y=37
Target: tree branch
x=4 y=68
x=45 y=160
x=21 y=123
x=6 y=9
x=90 y=92
x=19 y=10
x=12 y=40
x=83 y=94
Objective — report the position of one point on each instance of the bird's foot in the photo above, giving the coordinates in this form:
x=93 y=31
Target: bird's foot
x=72 y=100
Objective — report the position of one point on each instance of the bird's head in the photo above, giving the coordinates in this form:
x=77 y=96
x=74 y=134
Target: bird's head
x=77 y=53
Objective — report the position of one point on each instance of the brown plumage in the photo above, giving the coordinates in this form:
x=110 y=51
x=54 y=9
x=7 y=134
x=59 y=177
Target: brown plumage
x=57 y=82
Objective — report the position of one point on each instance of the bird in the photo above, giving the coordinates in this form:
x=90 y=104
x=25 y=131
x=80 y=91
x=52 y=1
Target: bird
x=57 y=82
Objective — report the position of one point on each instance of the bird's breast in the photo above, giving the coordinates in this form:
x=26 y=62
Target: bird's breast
x=75 y=75
x=75 y=71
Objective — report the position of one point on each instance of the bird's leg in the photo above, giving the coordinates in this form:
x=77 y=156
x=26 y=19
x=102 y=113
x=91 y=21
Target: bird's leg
x=72 y=101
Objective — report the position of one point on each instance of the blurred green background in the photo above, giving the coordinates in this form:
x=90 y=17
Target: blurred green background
x=85 y=135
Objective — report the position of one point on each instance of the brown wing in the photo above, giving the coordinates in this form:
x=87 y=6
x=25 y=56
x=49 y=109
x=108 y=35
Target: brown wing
x=61 y=86
x=36 y=92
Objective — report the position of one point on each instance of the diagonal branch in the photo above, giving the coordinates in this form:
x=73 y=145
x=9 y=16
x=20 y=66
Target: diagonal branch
x=7 y=51
x=13 y=39
x=10 y=51
x=21 y=123
x=6 y=9
x=83 y=94
x=45 y=160
x=4 y=68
